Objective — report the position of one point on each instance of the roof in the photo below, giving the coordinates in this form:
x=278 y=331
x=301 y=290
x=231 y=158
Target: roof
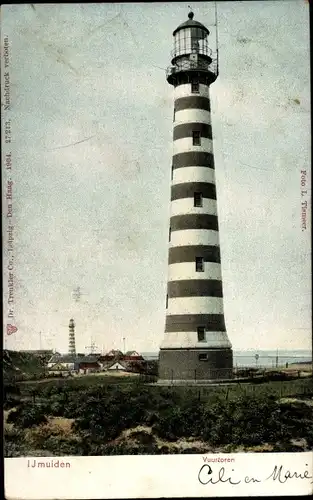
x=69 y=358
x=116 y=365
x=191 y=24
x=132 y=353
x=62 y=358
x=114 y=352
x=58 y=366
x=87 y=359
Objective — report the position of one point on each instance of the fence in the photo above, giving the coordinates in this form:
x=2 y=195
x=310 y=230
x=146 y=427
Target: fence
x=222 y=376
x=280 y=389
x=302 y=388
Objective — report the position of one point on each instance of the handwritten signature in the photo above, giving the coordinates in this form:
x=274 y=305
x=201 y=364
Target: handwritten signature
x=279 y=474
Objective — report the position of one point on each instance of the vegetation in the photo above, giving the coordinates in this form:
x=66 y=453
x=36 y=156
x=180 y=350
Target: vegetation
x=106 y=418
x=28 y=415
x=22 y=365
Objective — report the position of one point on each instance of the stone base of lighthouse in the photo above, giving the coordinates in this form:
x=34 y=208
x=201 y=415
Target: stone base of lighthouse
x=195 y=364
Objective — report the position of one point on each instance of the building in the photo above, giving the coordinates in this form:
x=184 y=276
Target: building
x=87 y=364
x=195 y=345
x=112 y=355
x=72 y=363
x=132 y=356
x=59 y=362
x=117 y=367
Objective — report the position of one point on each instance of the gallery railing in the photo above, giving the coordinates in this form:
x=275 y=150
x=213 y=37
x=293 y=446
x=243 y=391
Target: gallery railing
x=192 y=66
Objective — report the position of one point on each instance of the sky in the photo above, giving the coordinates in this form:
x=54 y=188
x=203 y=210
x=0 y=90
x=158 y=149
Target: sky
x=91 y=116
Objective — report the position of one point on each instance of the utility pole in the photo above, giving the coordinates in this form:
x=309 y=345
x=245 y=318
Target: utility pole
x=92 y=347
x=216 y=40
x=76 y=294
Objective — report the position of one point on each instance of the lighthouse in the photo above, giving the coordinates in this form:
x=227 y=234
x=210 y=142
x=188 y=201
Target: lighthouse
x=195 y=345
x=71 y=339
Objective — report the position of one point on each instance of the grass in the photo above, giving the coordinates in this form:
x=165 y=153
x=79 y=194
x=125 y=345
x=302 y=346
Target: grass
x=18 y=363
x=286 y=388
x=75 y=383
x=94 y=415
x=278 y=388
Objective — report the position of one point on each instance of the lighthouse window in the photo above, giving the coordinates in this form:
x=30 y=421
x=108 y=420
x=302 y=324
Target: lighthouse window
x=197 y=200
x=201 y=333
x=199 y=264
x=194 y=87
x=166 y=301
x=169 y=234
x=196 y=140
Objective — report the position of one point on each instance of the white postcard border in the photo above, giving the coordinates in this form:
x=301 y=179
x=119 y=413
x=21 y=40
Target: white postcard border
x=141 y=476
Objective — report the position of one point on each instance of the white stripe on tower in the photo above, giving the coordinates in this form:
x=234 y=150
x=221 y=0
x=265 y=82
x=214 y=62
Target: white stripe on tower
x=186 y=206
x=184 y=145
x=195 y=305
x=189 y=340
x=194 y=237
x=183 y=90
x=193 y=174
x=199 y=115
x=186 y=271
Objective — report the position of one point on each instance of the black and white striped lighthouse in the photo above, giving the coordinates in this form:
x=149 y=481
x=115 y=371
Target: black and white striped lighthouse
x=195 y=344
x=71 y=338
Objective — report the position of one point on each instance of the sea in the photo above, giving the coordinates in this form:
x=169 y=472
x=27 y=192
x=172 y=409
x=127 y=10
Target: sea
x=260 y=358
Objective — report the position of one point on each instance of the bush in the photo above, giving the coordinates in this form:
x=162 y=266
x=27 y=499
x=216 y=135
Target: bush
x=247 y=420
x=27 y=416
x=102 y=412
x=11 y=402
x=185 y=420
x=64 y=446
x=11 y=389
x=11 y=395
x=274 y=375
x=14 y=443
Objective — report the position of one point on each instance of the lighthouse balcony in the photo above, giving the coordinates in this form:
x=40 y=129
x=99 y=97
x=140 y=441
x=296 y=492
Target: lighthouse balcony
x=187 y=70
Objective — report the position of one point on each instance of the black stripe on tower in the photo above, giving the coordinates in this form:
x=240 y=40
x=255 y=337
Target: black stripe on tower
x=188 y=190
x=194 y=221
x=194 y=288
x=193 y=159
x=186 y=130
x=190 y=322
x=189 y=253
x=192 y=102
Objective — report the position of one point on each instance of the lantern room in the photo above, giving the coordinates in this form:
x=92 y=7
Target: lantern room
x=191 y=37
x=191 y=51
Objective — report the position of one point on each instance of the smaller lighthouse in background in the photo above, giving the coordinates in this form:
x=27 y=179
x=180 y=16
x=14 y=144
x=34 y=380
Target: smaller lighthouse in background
x=71 y=340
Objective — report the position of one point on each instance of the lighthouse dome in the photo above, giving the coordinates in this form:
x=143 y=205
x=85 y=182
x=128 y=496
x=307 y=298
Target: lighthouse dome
x=191 y=24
